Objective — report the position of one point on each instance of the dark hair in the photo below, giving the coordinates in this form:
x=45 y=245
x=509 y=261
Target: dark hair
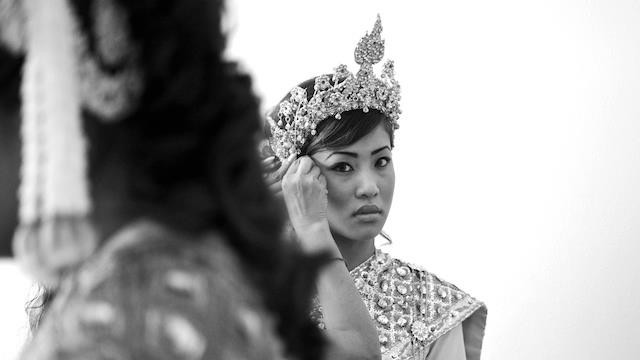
x=9 y=146
x=334 y=133
x=352 y=126
x=10 y=66
x=186 y=157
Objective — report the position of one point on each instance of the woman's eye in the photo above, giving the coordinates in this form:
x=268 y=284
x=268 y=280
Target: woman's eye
x=342 y=167
x=383 y=162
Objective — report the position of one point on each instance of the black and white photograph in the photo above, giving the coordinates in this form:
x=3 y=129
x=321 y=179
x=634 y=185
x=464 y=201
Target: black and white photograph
x=298 y=179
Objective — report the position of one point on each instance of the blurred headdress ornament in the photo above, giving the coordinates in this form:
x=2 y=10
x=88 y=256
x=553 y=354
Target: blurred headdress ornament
x=61 y=78
x=333 y=94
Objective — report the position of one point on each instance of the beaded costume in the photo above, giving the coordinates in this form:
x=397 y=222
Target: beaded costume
x=413 y=308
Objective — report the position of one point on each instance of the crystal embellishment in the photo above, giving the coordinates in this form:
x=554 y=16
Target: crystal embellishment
x=402 y=271
x=383 y=303
x=402 y=289
x=383 y=320
x=299 y=115
x=402 y=321
x=419 y=330
x=442 y=293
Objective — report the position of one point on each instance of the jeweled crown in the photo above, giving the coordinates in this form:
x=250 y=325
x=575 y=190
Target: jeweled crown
x=298 y=115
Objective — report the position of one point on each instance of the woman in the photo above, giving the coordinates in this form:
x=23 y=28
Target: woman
x=177 y=253
x=332 y=137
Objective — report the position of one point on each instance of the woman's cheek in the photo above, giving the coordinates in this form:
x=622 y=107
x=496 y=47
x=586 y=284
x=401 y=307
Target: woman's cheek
x=338 y=189
x=389 y=183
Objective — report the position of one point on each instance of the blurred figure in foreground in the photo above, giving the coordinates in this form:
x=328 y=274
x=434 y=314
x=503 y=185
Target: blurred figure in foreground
x=142 y=210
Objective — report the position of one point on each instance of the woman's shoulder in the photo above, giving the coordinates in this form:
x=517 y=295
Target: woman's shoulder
x=420 y=279
x=444 y=297
x=423 y=303
x=173 y=292
x=442 y=288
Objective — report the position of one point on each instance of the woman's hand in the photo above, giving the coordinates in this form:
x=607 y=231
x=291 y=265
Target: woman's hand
x=304 y=191
x=305 y=194
x=274 y=170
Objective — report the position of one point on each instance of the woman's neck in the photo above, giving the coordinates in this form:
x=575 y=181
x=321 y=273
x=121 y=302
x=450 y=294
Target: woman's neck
x=354 y=252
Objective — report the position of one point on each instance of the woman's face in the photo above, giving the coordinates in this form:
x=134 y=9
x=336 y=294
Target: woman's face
x=360 y=182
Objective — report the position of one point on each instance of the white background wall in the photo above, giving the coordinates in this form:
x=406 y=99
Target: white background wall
x=517 y=160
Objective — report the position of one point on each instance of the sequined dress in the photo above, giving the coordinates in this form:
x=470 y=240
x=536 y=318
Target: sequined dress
x=152 y=294
x=413 y=309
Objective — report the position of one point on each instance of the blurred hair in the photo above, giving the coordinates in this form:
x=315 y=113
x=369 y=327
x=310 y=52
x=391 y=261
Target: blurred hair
x=9 y=146
x=10 y=71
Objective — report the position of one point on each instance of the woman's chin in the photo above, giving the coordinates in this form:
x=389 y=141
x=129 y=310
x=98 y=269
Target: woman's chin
x=360 y=233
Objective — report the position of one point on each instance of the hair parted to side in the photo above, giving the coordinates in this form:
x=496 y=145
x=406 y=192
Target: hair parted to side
x=353 y=126
x=186 y=157
x=334 y=133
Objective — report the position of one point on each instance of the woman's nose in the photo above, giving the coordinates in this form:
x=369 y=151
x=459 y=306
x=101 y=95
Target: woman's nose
x=367 y=186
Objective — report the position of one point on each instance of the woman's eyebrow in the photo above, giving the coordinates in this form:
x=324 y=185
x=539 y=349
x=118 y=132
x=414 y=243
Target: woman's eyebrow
x=380 y=149
x=347 y=153
x=355 y=155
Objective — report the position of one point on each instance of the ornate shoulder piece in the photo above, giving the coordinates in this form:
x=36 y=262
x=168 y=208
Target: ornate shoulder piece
x=411 y=307
x=299 y=115
x=443 y=307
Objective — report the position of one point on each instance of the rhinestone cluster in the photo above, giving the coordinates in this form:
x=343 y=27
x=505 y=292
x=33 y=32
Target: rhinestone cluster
x=298 y=116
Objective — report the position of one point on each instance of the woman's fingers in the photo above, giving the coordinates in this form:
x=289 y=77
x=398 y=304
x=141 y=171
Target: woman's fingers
x=269 y=160
x=323 y=181
x=278 y=169
x=305 y=165
x=270 y=164
x=304 y=194
x=291 y=163
x=315 y=171
x=271 y=178
x=276 y=188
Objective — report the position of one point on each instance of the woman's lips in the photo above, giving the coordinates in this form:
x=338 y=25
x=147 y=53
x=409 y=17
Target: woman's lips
x=368 y=209
x=368 y=213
